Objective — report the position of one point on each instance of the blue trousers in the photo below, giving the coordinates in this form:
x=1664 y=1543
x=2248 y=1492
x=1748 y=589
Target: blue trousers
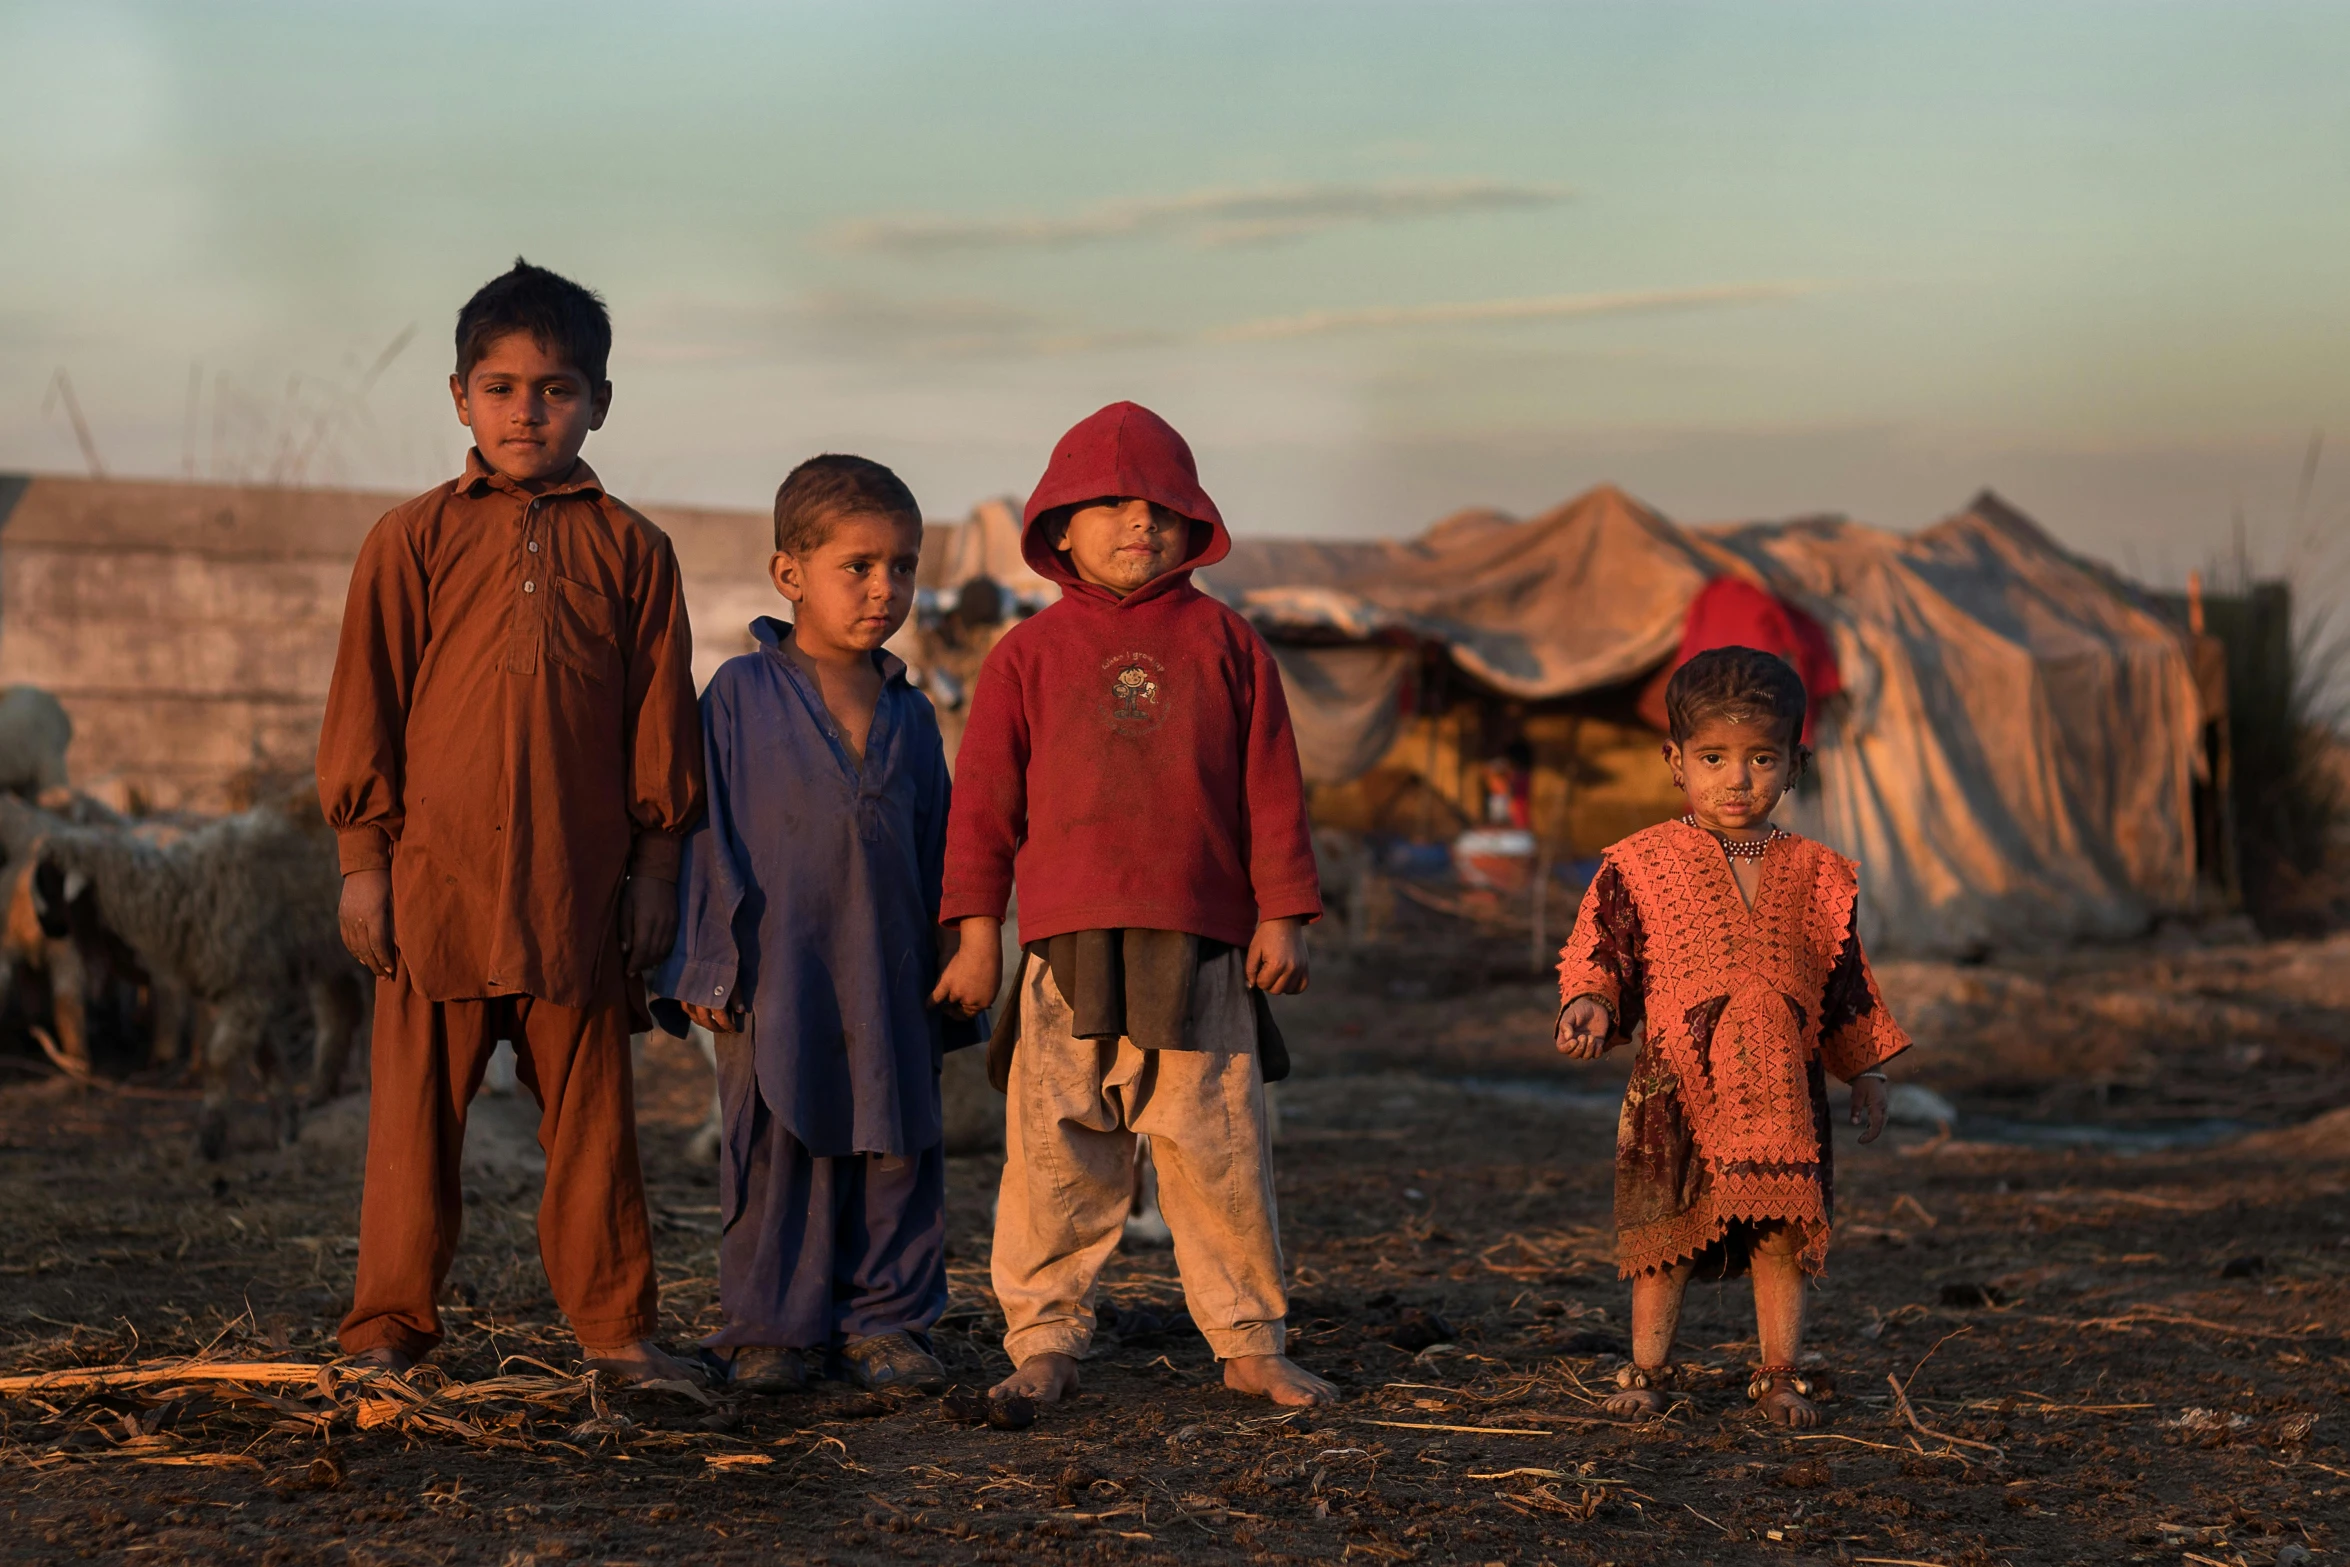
x=817 y=1252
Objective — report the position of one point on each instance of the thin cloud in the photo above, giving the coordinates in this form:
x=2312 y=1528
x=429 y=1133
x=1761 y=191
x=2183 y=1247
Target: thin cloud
x=1209 y=218
x=839 y=324
x=1376 y=318
x=1546 y=307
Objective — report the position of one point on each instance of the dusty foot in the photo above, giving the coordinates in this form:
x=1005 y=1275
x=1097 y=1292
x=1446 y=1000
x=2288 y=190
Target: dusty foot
x=1783 y=1406
x=642 y=1361
x=381 y=1358
x=1043 y=1379
x=1636 y=1403
x=1278 y=1378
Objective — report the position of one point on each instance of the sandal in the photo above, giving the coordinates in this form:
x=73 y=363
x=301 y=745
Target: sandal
x=893 y=1360
x=1647 y=1392
x=768 y=1369
x=643 y=1364
x=1784 y=1395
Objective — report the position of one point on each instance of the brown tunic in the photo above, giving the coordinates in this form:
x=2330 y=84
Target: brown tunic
x=1746 y=1010
x=512 y=730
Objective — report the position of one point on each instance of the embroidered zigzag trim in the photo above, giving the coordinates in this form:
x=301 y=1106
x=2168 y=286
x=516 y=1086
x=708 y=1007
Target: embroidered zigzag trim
x=1795 y=1200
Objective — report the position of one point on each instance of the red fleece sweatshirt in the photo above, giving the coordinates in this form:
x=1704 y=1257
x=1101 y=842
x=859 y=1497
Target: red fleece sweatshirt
x=1131 y=757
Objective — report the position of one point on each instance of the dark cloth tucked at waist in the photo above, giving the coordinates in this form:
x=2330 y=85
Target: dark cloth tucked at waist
x=1135 y=984
x=1131 y=982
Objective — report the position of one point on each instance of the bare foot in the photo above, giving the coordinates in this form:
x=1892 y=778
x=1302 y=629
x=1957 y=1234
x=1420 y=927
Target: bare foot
x=1045 y=1379
x=1781 y=1396
x=642 y=1361
x=1278 y=1378
x=381 y=1358
x=1786 y=1407
x=1636 y=1403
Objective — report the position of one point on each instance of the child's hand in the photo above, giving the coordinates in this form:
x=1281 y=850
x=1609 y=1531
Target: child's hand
x=1277 y=957
x=717 y=1020
x=974 y=968
x=648 y=922
x=1583 y=1029
x=1868 y=1106
x=365 y=915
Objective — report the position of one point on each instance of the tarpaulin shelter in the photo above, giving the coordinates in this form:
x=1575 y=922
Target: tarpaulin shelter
x=2013 y=758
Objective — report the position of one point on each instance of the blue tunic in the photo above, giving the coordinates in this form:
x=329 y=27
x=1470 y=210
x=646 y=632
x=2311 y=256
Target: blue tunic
x=809 y=901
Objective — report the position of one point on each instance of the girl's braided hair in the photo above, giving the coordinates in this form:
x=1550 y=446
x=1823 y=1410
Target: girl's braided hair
x=1740 y=684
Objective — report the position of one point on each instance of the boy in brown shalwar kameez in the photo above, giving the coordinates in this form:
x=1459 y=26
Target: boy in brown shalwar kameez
x=511 y=754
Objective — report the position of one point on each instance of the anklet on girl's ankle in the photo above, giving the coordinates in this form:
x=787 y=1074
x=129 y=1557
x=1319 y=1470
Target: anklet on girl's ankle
x=1768 y=1378
x=1648 y=1379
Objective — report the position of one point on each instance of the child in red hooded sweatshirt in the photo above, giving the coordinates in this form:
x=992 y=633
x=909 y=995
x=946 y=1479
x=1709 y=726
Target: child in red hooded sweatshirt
x=1129 y=761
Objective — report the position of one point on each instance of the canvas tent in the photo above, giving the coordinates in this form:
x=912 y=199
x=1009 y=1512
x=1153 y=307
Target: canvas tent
x=2013 y=763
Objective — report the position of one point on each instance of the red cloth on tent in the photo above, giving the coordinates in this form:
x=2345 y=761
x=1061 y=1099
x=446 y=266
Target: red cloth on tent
x=1733 y=612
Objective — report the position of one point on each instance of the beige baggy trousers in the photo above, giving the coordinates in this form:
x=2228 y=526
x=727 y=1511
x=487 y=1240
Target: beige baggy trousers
x=1073 y=1109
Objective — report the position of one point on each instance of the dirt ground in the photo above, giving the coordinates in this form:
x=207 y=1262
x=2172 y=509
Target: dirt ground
x=2046 y=1354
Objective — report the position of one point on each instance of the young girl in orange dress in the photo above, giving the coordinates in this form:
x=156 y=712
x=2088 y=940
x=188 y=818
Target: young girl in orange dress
x=1729 y=947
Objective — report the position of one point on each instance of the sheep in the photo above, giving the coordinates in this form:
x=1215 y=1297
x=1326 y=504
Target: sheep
x=100 y=999
x=34 y=732
x=30 y=958
x=241 y=913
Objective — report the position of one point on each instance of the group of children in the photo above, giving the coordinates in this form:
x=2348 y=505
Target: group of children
x=542 y=831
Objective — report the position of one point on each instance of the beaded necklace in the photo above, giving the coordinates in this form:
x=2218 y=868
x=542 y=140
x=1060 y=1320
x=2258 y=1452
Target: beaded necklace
x=1742 y=848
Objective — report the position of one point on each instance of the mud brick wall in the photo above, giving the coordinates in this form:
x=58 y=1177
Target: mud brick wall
x=190 y=628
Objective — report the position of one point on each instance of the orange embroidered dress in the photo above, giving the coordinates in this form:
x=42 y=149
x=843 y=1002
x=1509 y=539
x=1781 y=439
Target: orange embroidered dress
x=1726 y=1116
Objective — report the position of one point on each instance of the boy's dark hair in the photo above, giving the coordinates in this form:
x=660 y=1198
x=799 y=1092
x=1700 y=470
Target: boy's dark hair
x=568 y=320
x=822 y=490
x=1740 y=684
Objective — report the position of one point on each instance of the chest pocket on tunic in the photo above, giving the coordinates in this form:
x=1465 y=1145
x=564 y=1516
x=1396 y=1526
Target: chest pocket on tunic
x=583 y=631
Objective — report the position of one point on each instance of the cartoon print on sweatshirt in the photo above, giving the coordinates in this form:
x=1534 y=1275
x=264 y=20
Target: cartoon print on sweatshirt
x=1134 y=707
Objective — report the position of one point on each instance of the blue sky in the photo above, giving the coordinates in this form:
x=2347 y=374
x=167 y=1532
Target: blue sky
x=1379 y=261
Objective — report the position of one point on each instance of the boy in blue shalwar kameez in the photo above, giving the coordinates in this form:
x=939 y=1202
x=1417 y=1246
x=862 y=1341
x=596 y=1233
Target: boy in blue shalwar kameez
x=808 y=944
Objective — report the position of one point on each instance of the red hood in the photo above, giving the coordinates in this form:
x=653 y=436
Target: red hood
x=1124 y=450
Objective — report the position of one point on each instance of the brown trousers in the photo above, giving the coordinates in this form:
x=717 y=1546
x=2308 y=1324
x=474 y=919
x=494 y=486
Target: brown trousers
x=593 y=1239
x=1072 y=1113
